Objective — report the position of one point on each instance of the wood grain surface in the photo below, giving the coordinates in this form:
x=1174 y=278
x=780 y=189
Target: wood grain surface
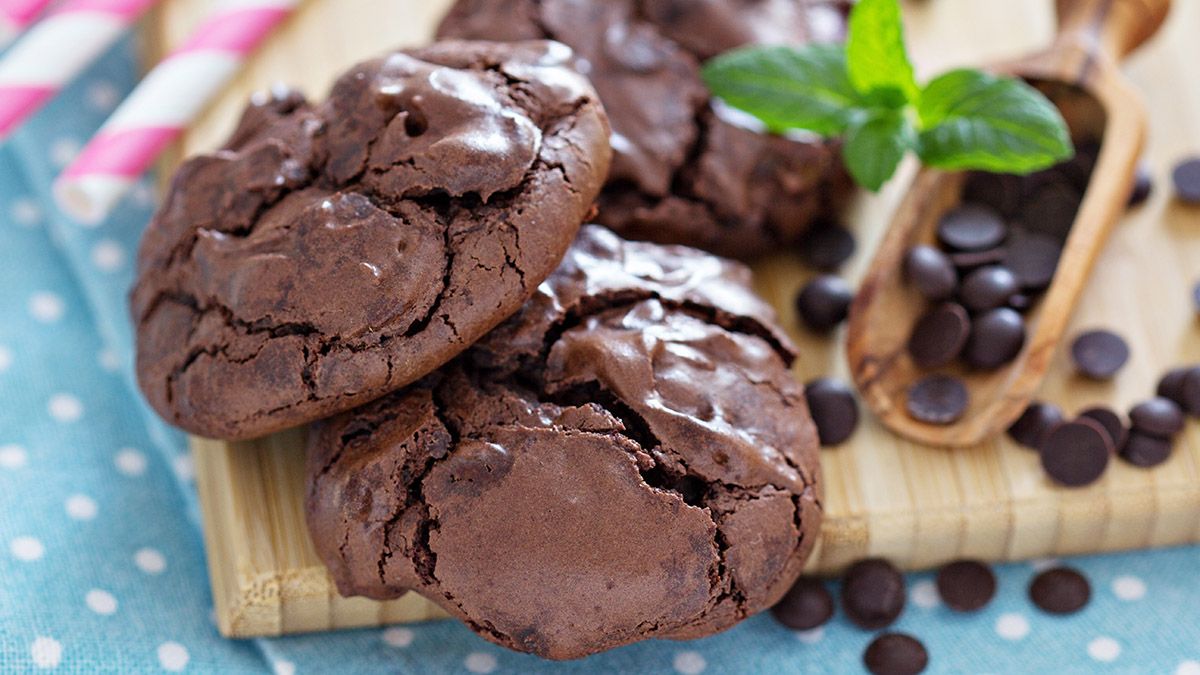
x=884 y=496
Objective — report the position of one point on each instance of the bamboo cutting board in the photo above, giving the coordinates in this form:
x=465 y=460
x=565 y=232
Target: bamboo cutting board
x=884 y=496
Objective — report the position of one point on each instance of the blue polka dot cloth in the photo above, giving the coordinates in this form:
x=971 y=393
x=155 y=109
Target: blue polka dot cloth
x=102 y=564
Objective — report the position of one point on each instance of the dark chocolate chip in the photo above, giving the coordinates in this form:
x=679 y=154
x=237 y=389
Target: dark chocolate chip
x=1190 y=392
x=1143 y=184
x=1060 y=590
x=996 y=339
x=826 y=246
x=1112 y=423
x=1099 y=354
x=1158 y=417
x=937 y=399
x=873 y=593
x=1187 y=180
x=966 y=585
x=1077 y=171
x=824 y=301
x=805 y=606
x=895 y=654
x=1032 y=258
x=1146 y=450
x=833 y=409
x=969 y=261
x=930 y=272
x=1051 y=210
x=1000 y=191
x=1076 y=453
x=1171 y=385
x=1033 y=424
x=972 y=227
x=987 y=288
x=939 y=335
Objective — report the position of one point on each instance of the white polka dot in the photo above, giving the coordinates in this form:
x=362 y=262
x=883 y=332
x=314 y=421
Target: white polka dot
x=398 y=637
x=1043 y=564
x=1129 y=588
x=924 y=594
x=1012 y=626
x=173 y=656
x=184 y=469
x=108 y=256
x=143 y=193
x=101 y=602
x=64 y=407
x=13 y=457
x=1188 y=668
x=81 y=507
x=282 y=667
x=130 y=462
x=480 y=662
x=46 y=307
x=1104 y=649
x=108 y=360
x=6 y=358
x=26 y=549
x=63 y=150
x=150 y=561
x=103 y=96
x=689 y=663
x=811 y=636
x=25 y=212
x=46 y=652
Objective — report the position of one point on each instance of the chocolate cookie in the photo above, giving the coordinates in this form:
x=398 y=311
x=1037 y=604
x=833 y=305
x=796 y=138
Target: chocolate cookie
x=685 y=171
x=627 y=457
x=329 y=254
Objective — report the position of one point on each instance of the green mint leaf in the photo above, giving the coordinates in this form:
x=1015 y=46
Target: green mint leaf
x=875 y=56
x=787 y=87
x=874 y=145
x=975 y=120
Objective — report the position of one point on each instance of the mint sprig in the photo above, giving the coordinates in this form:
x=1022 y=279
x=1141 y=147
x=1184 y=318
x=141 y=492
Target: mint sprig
x=865 y=93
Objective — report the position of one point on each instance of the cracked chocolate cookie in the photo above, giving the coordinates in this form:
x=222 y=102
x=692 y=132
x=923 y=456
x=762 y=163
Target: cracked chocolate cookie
x=331 y=253
x=685 y=171
x=627 y=457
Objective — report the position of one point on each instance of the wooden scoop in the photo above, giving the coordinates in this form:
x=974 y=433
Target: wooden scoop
x=1098 y=104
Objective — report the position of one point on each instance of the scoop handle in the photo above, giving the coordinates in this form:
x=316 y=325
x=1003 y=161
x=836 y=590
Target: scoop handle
x=1114 y=27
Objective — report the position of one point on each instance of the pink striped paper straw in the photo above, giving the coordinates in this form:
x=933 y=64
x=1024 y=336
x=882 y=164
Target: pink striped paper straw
x=16 y=15
x=162 y=104
x=57 y=49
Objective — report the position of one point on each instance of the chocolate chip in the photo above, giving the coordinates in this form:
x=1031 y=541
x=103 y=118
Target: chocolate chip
x=1099 y=354
x=1187 y=180
x=1032 y=258
x=895 y=654
x=1033 y=424
x=930 y=272
x=805 y=606
x=987 y=288
x=873 y=593
x=969 y=261
x=1000 y=191
x=971 y=227
x=1051 y=211
x=826 y=246
x=1143 y=184
x=1158 y=417
x=1077 y=171
x=996 y=339
x=833 y=409
x=824 y=301
x=1060 y=590
x=1112 y=423
x=1145 y=450
x=937 y=399
x=1020 y=302
x=939 y=335
x=966 y=585
x=1182 y=385
x=1076 y=453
